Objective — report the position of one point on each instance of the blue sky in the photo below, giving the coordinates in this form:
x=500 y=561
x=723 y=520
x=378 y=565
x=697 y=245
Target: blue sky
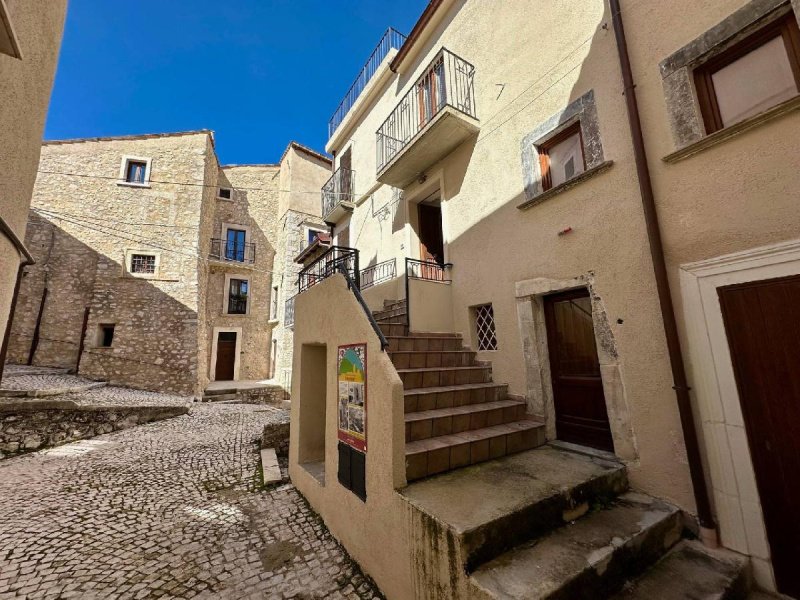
x=257 y=72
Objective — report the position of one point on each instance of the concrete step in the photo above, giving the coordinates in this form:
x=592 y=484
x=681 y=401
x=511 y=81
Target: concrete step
x=406 y=343
x=393 y=328
x=442 y=376
x=430 y=398
x=432 y=358
x=391 y=314
x=590 y=558
x=484 y=510
x=436 y=455
x=426 y=424
x=226 y=397
x=390 y=304
x=693 y=571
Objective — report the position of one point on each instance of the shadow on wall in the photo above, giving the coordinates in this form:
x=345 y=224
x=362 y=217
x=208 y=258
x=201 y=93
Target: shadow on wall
x=154 y=344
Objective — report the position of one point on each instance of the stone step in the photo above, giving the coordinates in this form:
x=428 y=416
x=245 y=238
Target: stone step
x=389 y=304
x=395 y=319
x=590 y=558
x=226 y=397
x=441 y=376
x=392 y=328
x=413 y=359
x=420 y=399
x=434 y=334
x=487 y=509
x=436 y=455
x=383 y=315
x=405 y=343
x=691 y=570
x=457 y=419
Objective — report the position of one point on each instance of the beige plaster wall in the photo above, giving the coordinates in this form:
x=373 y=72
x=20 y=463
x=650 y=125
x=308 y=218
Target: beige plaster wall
x=26 y=84
x=430 y=306
x=375 y=532
x=493 y=245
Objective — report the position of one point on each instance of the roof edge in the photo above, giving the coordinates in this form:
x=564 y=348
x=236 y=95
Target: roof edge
x=305 y=149
x=417 y=30
x=138 y=136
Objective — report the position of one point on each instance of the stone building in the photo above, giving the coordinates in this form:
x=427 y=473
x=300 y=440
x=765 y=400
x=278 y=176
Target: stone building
x=30 y=38
x=536 y=274
x=154 y=263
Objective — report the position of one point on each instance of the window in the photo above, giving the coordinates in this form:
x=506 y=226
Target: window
x=237 y=296
x=484 y=327
x=105 y=335
x=134 y=171
x=561 y=157
x=143 y=263
x=312 y=235
x=224 y=193
x=756 y=74
x=273 y=312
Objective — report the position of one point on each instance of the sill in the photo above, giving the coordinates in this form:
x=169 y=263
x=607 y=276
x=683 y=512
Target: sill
x=221 y=199
x=133 y=185
x=161 y=279
x=316 y=470
x=567 y=185
x=718 y=137
x=272 y=322
x=227 y=314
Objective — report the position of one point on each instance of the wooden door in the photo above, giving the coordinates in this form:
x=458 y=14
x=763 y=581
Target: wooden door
x=580 y=405
x=762 y=322
x=226 y=356
x=345 y=177
x=431 y=240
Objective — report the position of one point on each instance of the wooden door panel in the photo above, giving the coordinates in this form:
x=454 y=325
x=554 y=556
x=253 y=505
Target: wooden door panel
x=431 y=239
x=226 y=359
x=762 y=322
x=580 y=406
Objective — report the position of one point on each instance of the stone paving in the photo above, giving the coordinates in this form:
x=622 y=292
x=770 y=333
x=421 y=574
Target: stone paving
x=43 y=382
x=172 y=509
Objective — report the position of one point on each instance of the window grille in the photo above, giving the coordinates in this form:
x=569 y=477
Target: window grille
x=484 y=323
x=143 y=263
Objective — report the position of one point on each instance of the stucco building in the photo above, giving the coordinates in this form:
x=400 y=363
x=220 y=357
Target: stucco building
x=30 y=38
x=154 y=264
x=524 y=255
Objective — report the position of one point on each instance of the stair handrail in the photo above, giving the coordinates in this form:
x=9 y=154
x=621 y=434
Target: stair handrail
x=351 y=285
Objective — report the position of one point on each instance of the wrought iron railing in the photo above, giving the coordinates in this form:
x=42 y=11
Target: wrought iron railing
x=447 y=81
x=339 y=188
x=391 y=39
x=328 y=264
x=233 y=251
x=428 y=270
x=374 y=274
x=288 y=313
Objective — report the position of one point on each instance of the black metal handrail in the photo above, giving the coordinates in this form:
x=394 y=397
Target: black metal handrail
x=328 y=264
x=232 y=251
x=339 y=188
x=374 y=274
x=428 y=270
x=353 y=285
x=391 y=39
x=447 y=81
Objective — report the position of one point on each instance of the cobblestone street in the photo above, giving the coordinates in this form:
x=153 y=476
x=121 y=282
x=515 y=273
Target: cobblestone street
x=172 y=509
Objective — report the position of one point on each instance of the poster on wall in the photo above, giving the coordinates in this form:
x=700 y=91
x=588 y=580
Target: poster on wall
x=352 y=380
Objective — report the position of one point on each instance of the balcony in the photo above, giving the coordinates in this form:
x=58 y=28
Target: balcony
x=434 y=117
x=338 y=195
x=232 y=251
x=327 y=265
x=391 y=39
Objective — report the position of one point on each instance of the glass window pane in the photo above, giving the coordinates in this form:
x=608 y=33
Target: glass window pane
x=757 y=81
x=566 y=160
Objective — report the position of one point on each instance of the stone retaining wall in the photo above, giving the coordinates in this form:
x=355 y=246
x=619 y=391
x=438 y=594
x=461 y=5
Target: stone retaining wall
x=27 y=426
x=276 y=435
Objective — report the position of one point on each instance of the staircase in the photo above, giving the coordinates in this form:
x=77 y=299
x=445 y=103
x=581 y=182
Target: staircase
x=455 y=415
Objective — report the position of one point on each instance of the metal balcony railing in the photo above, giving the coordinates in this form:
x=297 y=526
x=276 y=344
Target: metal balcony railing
x=328 y=264
x=233 y=251
x=447 y=81
x=391 y=39
x=427 y=269
x=375 y=274
x=288 y=313
x=339 y=188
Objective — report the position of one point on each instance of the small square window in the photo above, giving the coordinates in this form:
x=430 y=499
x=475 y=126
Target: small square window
x=312 y=235
x=238 y=291
x=135 y=171
x=484 y=327
x=224 y=193
x=561 y=158
x=143 y=263
x=105 y=335
x=756 y=74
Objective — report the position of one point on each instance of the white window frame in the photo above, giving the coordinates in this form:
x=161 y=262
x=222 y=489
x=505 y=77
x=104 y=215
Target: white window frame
x=129 y=253
x=123 y=169
x=227 y=292
x=222 y=187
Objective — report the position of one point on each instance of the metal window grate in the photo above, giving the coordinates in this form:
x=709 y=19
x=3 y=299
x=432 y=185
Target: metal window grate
x=143 y=263
x=484 y=323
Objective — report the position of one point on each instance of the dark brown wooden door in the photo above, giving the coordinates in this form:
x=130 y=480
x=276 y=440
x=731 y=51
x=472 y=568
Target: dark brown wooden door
x=345 y=177
x=762 y=322
x=226 y=356
x=581 y=415
x=431 y=240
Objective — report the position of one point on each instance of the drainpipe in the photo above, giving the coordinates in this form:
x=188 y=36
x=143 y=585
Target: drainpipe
x=6 y=230
x=708 y=531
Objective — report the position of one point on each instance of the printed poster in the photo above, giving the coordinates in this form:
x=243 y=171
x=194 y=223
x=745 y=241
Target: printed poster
x=352 y=381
